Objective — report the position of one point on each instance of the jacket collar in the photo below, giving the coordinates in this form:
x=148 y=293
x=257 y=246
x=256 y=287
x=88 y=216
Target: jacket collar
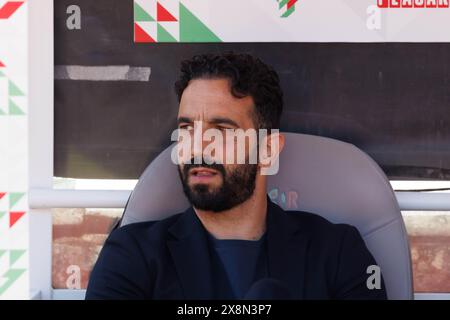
x=287 y=246
x=190 y=252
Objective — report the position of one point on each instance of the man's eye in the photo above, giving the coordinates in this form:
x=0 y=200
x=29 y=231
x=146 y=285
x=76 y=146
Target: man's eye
x=186 y=126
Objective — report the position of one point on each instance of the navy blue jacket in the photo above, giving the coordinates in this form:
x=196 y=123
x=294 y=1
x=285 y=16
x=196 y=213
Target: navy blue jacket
x=169 y=259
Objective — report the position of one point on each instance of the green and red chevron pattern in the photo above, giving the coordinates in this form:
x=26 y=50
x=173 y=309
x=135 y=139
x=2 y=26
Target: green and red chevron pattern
x=169 y=21
x=13 y=260
x=8 y=93
x=14 y=228
x=10 y=274
x=7 y=202
x=288 y=6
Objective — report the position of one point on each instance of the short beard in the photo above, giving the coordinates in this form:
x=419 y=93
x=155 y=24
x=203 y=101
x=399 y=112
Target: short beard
x=237 y=187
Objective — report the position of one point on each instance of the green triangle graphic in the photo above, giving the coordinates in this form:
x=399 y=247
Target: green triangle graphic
x=140 y=14
x=282 y=3
x=164 y=36
x=12 y=275
x=2 y=113
x=2 y=213
x=2 y=74
x=14 y=197
x=288 y=12
x=14 y=255
x=192 y=29
x=14 y=110
x=14 y=90
x=2 y=252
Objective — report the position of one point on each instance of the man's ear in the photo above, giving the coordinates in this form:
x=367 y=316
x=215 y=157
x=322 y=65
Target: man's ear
x=269 y=152
x=281 y=140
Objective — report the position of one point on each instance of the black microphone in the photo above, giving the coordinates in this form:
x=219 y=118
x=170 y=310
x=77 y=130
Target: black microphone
x=268 y=289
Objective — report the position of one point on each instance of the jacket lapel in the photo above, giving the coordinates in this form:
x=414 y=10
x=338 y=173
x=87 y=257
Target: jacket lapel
x=287 y=247
x=190 y=252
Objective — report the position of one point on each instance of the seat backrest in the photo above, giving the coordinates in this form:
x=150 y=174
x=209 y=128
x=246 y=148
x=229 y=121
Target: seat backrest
x=331 y=178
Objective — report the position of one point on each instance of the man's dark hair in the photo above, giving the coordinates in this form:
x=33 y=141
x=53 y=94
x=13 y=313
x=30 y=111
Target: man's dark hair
x=248 y=76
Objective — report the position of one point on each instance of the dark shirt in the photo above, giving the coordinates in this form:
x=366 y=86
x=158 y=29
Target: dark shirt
x=238 y=264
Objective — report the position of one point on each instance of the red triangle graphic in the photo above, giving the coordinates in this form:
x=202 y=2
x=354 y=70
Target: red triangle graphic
x=14 y=217
x=140 y=35
x=1 y=64
x=2 y=194
x=291 y=3
x=163 y=14
x=9 y=8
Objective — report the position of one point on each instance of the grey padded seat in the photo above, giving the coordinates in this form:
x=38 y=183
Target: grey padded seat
x=331 y=178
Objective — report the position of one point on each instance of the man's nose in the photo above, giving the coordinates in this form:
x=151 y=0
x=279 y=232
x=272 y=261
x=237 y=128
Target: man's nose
x=199 y=144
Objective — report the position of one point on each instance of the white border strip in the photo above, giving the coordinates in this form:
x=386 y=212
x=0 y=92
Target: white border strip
x=40 y=198
x=40 y=139
x=426 y=201
x=67 y=294
x=432 y=296
x=45 y=198
x=102 y=73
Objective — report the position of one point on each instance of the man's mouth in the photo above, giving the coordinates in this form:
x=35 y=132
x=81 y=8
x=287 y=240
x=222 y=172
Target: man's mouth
x=203 y=175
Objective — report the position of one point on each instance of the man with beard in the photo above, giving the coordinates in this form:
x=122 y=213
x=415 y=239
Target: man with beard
x=233 y=243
